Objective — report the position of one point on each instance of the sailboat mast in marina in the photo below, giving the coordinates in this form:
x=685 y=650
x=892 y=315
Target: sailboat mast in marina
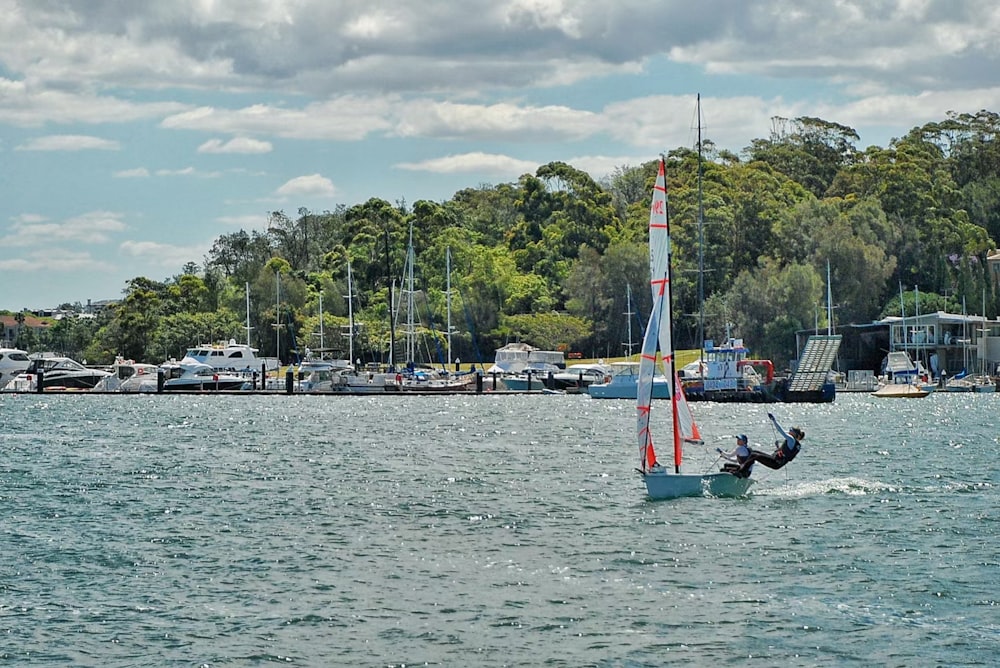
x=661 y=484
x=350 y=315
x=248 y=328
x=628 y=320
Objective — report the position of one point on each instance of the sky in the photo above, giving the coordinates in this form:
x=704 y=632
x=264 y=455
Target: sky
x=134 y=134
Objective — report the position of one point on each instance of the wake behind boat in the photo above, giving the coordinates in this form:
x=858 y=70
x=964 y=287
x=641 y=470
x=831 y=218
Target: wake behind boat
x=661 y=484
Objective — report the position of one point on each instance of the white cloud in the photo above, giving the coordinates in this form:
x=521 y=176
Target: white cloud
x=505 y=121
x=167 y=256
x=33 y=105
x=487 y=163
x=347 y=118
x=55 y=260
x=95 y=227
x=69 y=143
x=313 y=185
x=137 y=173
x=188 y=171
x=235 y=145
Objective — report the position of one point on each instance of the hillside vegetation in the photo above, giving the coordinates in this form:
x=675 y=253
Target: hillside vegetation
x=549 y=259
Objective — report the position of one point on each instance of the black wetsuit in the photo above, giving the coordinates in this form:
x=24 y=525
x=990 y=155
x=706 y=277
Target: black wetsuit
x=783 y=454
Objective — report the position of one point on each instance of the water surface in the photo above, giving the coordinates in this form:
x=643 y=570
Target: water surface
x=489 y=530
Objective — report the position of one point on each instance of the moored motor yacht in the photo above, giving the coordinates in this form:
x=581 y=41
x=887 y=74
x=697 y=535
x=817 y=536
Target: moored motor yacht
x=315 y=373
x=57 y=373
x=12 y=362
x=350 y=381
x=130 y=376
x=192 y=376
x=624 y=383
x=581 y=375
x=231 y=356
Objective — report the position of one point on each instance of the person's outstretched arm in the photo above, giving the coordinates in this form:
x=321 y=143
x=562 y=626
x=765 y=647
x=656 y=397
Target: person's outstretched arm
x=780 y=430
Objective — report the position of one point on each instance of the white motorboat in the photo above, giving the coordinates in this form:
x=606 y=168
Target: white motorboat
x=314 y=373
x=130 y=376
x=623 y=383
x=12 y=362
x=436 y=380
x=581 y=376
x=231 y=356
x=57 y=373
x=193 y=376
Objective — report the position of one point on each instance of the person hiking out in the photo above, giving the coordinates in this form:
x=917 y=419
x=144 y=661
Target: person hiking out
x=785 y=450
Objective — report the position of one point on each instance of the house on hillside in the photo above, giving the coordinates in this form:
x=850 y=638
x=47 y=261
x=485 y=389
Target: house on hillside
x=9 y=327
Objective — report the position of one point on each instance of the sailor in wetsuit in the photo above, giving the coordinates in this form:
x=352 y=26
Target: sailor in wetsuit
x=785 y=451
x=740 y=464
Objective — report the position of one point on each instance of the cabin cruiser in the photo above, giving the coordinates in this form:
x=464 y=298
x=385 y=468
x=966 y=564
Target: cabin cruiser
x=580 y=376
x=623 y=383
x=231 y=356
x=523 y=367
x=193 y=376
x=351 y=381
x=436 y=380
x=57 y=372
x=130 y=376
x=315 y=373
x=12 y=362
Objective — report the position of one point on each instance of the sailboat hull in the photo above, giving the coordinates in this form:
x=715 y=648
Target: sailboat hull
x=663 y=485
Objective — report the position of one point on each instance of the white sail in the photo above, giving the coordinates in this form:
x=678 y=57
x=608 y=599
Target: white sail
x=644 y=389
x=687 y=428
x=658 y=327
x=659 y=483
x=659 y=264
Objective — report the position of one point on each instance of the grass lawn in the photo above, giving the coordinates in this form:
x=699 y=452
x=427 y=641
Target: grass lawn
x=683 y=357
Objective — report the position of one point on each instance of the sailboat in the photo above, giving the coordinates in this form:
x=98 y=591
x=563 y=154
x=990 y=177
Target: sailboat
x=661 y=484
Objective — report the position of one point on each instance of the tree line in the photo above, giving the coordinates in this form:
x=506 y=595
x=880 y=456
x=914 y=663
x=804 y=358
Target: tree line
x=551 y=258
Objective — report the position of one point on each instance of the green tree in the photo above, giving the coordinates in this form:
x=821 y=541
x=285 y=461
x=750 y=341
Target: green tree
x=548 y=331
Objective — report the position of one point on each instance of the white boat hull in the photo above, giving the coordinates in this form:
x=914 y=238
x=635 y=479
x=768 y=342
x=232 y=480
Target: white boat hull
x=904 y=390
x=663 y=485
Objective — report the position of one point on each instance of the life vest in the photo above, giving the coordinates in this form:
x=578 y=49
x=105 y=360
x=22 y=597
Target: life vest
x=787 y=452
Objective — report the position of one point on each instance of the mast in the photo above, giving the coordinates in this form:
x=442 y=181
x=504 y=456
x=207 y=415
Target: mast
x=321 y=342
x=277 y=315
x=411 y=332
x=248 y=312
x=628 y=315
x=350 y=315
x=916 y=311
x=981 y=342
x=701 y=255
x=392 y=324
x=829 y=302
x=447 y=270
x=902 y=313
x=670 y=366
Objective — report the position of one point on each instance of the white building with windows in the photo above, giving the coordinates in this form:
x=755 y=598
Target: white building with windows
x=947 y=342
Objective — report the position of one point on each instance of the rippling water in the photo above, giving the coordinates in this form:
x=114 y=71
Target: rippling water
x=488 y=530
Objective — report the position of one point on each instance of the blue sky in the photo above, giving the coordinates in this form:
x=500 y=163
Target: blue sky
x=134 y=134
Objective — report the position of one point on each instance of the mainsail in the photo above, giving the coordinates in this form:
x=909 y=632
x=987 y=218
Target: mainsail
x=658 y=333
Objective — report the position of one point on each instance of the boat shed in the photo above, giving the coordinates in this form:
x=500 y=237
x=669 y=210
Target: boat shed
x=947 y=342
x=942 y=341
